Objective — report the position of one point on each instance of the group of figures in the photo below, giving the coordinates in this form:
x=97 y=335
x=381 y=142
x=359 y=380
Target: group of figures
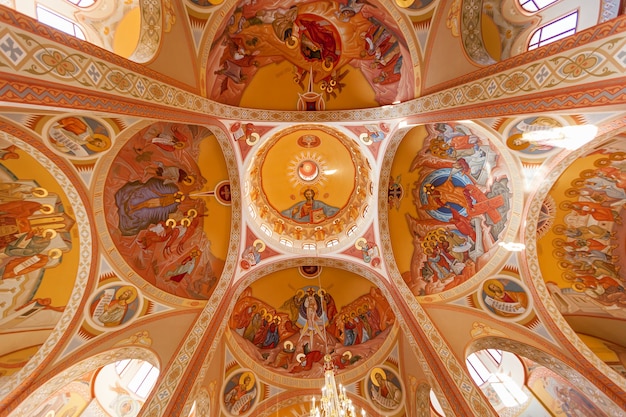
x=36 y=232
x=294 y=337
x=462 y=207
x=588 y=248
x=156 y=204
x=317 y=38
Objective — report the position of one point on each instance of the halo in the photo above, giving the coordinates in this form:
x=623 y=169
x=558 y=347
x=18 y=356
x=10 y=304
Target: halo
x=510 y=142
x=578 y=287
x=132 y=289
x=373 y=374
x=405 y=3
x=309 y=187
x=494 y=282
x=259 y=241
x=327 y=66
x=268 y=317
x=321 y=292
x=360 y=242
x=365 y=138
x=50 y=233
x=300 y=293
x=54 y=253
x=185 y=221
x=277 y=317
x=347 y=353
x=242 y=379
x=300 y=356
x=288 y=345
x=39 y=192
x=46 y=209
x=292 y=42
x=103 y=138
x=254 y=138
x=189 y=180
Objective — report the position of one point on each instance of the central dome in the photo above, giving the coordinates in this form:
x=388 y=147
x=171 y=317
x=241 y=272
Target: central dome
x=310 y=187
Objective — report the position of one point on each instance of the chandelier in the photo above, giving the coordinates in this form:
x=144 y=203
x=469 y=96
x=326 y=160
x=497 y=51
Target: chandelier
x=334 y=402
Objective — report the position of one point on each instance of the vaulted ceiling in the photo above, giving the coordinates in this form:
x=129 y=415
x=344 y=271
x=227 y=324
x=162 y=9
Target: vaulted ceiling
x=229 y=190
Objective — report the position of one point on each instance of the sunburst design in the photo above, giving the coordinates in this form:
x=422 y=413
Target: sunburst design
x=294 y=171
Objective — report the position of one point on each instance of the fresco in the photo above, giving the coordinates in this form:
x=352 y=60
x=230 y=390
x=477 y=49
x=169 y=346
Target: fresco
x=331 y=48
x=167 y=212
x=505 y=297
x=240 y=393
x=78 y=137
x=38 y=260
x=289 y=331
x=560 y=396
x=531 y=151
x=459 y=207
x=581 y=253
x=316 y=193
x=114 y=306
x=385 y=389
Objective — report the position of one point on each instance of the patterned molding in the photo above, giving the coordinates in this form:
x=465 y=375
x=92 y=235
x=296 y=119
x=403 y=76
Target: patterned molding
x=598 y=32
x=9 y=17
x=567 y=74
x=471 y=32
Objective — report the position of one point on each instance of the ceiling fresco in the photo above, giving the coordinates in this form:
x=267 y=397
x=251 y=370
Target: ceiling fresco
x=457 y=209
x=581 y=245
x=288 y=321
x=309 y=56
x=282 y=182
x=167 y=210
x=40 y=241
x=309 y=184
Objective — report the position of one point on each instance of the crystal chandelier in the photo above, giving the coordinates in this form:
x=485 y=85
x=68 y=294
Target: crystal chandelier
x=334 y=402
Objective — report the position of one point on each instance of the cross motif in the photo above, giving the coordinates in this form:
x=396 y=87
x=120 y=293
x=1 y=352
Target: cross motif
x=12 y=49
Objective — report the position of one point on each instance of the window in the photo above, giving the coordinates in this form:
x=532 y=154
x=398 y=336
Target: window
x=286 y=242
x=82 y=3
x=139 y=376
x=332 y=242
x=59 y=22
x=309 y=246
x=266 y=230
x=554 y=31
x=485 y=368
x=535 y=5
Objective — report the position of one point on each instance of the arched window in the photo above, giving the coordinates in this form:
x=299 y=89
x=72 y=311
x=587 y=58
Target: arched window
x=555 y=30
x=139 y=376
x=535 y=5
x=488 y=372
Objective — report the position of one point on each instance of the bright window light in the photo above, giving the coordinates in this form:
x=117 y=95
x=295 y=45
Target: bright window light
x=82 y=3
x=535 y=5
x=309 y=246
x=59 y=22
x=266 y=230
x=332 y=242
x=286 y=242
x=553 y=31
